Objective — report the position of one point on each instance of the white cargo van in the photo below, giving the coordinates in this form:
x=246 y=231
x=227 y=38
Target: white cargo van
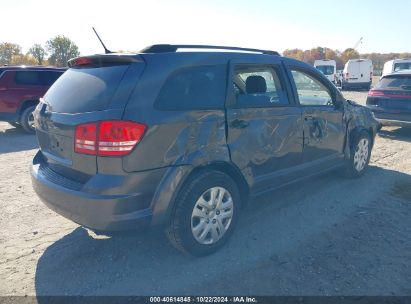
x=396 y=65
x=328 y=67
x=357 y=74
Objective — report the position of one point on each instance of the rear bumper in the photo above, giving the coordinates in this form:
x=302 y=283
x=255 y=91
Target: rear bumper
x=396 y=123
x=391 y=118
x=347 y=84
x=98 y=211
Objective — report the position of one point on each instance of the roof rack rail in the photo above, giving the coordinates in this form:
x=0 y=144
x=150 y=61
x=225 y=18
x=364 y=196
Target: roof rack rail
x=169 y=48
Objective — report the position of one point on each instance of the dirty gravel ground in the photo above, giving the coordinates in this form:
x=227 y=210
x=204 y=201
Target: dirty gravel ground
x=325 y=236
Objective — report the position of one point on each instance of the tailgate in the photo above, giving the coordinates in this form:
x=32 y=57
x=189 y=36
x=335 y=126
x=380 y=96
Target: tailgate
x=89 y=93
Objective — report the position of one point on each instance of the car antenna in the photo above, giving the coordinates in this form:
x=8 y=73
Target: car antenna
x=106 y=50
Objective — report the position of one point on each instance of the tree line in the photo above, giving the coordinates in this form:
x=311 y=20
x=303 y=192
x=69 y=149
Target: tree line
x=309 y=56
x=56 y=51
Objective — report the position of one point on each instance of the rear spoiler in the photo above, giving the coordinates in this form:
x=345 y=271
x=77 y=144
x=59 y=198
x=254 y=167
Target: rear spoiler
x=103 y=60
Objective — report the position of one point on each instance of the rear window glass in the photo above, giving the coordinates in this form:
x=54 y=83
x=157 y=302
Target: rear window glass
x=85 y=90
x=326 y=69
x=402 y=66
x=201 y=87
x=395 y=82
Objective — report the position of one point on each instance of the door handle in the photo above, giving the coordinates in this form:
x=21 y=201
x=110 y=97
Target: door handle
x=239 y=124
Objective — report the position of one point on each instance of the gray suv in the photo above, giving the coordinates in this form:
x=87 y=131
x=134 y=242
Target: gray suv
x=183 y=140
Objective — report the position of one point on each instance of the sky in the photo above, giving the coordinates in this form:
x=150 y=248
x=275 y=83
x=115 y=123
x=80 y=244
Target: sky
x=266 y=24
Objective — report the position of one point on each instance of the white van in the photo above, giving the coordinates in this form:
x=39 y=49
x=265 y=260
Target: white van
x=357 y=74
x=396 y=65
x=328 y=67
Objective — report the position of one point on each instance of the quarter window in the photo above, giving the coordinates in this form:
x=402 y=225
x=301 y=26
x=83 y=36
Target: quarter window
x=310 y=90
x=201 y=87
x=258 y=86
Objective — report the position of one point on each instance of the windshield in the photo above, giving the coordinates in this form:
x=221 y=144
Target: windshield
x=326 y=69
x=84 y=90
x=402 y=66
x=395 y=83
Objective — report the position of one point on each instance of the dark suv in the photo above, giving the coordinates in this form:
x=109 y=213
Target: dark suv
x=390 y=99
x=182 y=140
x=20 y=90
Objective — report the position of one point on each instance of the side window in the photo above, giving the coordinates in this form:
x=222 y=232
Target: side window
x=258 y=86
x=310 y=90
x=27 y=78
x=201 y=87
x=54 y=76
x=47 y=78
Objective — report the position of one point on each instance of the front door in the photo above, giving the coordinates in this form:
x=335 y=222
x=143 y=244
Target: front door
x=324 y=131
x=265 y=131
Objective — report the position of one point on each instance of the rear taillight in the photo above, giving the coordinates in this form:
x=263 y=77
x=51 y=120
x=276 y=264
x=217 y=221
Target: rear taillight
x=376 y=93
x=347 y=75
x=85 y=138
x=119 y=137
x=388 y=94
x=108 y=138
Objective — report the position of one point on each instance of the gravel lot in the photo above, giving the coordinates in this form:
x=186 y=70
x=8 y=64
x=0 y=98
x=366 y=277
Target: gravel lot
x=326 y=236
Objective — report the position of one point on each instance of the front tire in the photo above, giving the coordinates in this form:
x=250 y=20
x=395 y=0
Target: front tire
x=27 y=119
x=360 y=154
x=206 y=211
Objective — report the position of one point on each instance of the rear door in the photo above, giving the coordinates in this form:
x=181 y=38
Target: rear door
x=354 y=71
x=365 y=73
x=324 y=131
x=9 y=101
x=264 y=125
x=92 y=91
x=27 y=85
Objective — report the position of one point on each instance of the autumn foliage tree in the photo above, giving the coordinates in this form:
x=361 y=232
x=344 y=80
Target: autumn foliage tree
x=22 y=59
x=61 y=49
x=349 y=54
x=318 y=53
x=38 y=52
x=294 y=53
x=7 y=51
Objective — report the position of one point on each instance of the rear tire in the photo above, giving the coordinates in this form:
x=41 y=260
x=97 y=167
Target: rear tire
x=206 y=211
x=27 y=119
x=360 y=153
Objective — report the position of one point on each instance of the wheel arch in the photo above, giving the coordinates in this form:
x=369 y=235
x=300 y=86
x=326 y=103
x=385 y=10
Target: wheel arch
x=232 y=171
x=26 y=104
x=164 y=200
x=353 y=133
